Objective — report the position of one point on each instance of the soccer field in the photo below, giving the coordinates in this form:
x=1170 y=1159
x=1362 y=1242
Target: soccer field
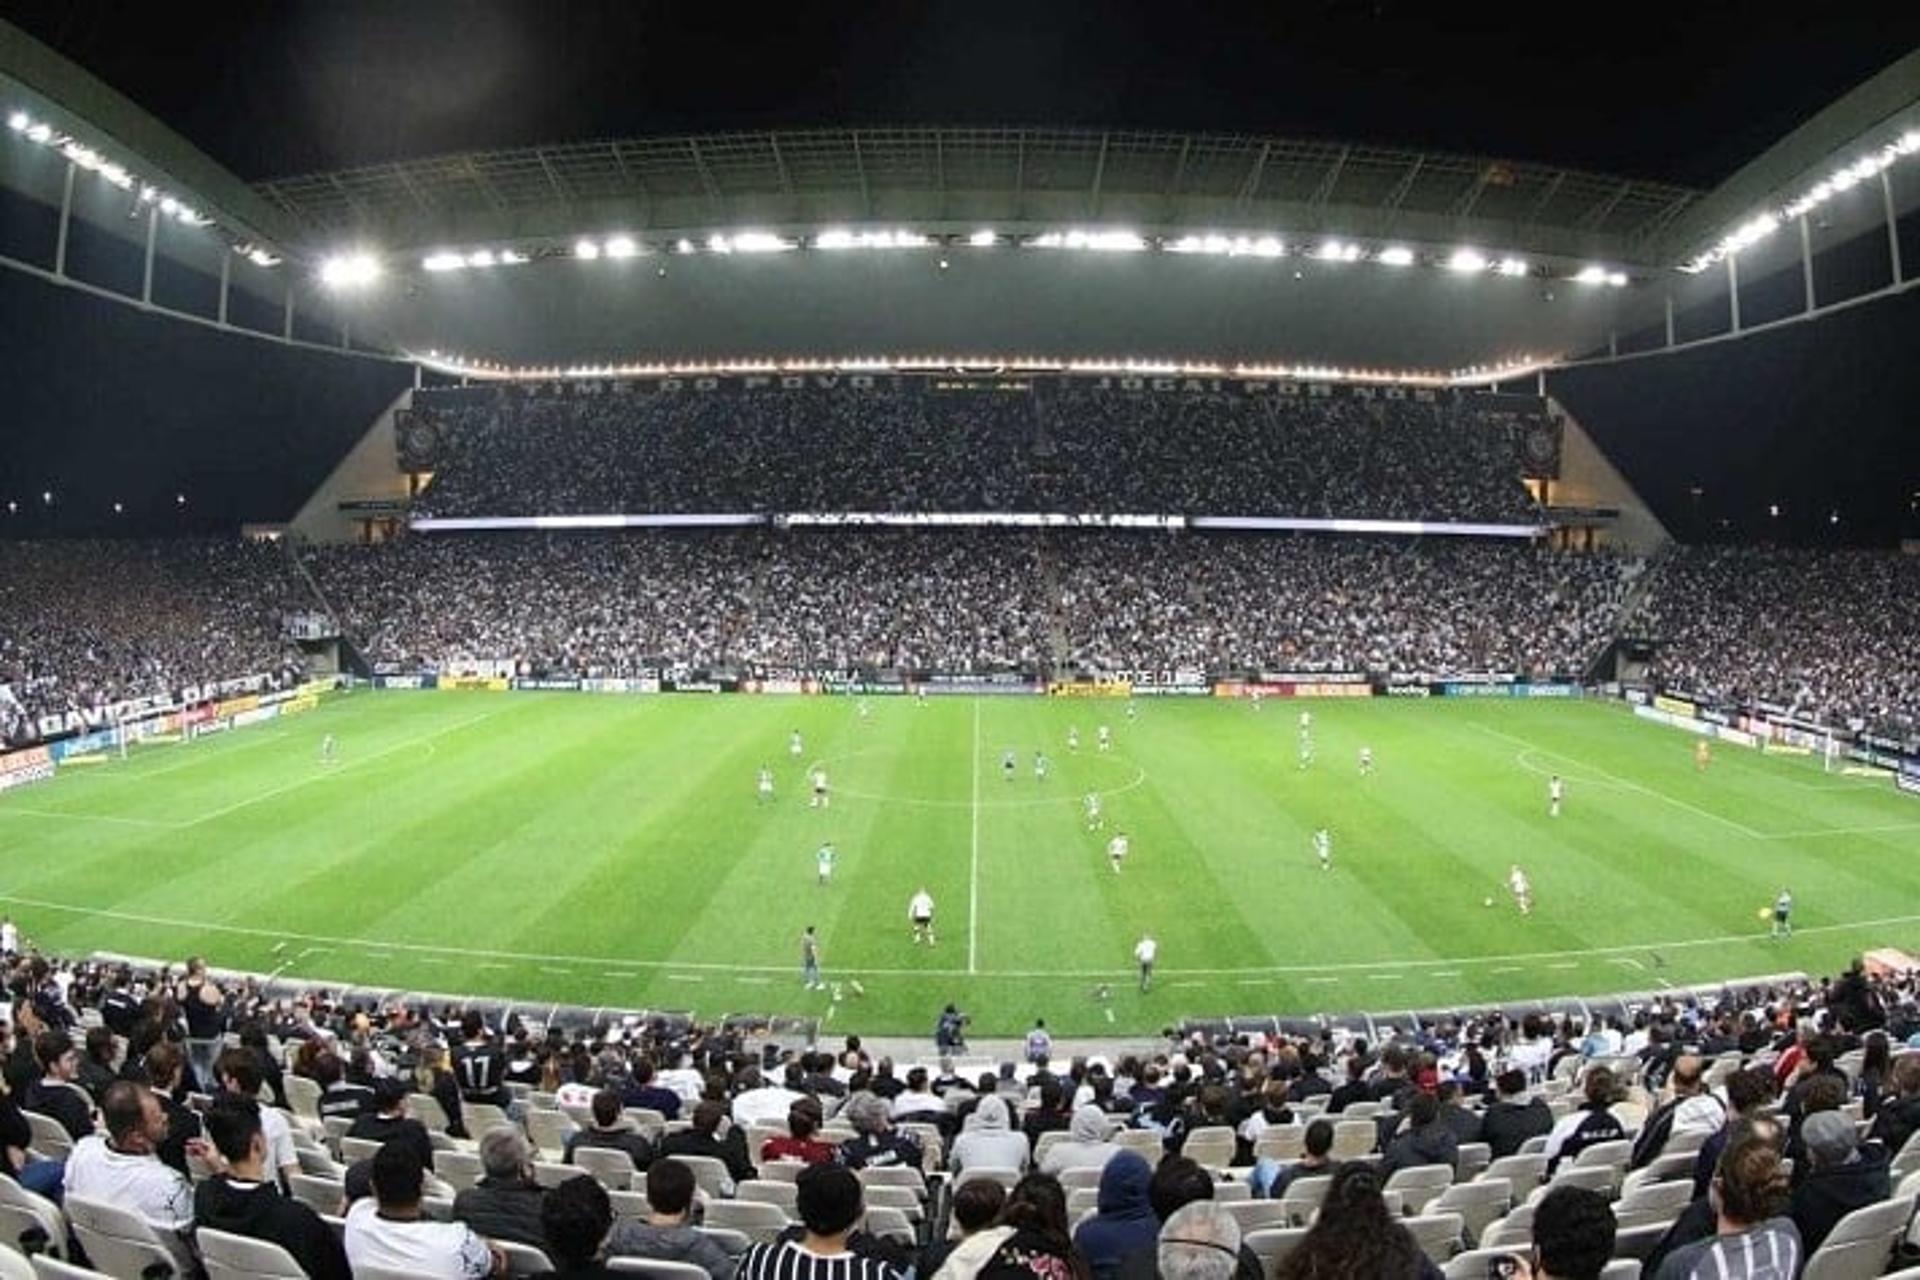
x=611 y=851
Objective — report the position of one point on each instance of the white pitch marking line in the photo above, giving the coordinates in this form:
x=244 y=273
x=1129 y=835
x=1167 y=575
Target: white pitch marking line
x=624 y=976
x=481 y=956
x=1564 y=964
x=22 y=811
x=1628 y=961
x=677 y=977
x=1386 y=977
x=1323 y=979
x=1844 y=831
x=1630 y=785
x=973 y=875
x=751 y=982
x=1444 y=973
x=551 y=969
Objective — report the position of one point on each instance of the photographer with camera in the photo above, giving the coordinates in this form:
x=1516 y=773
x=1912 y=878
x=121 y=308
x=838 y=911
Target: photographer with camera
x=950 y=1033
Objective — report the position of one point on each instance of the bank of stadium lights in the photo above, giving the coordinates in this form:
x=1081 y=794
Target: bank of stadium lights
x=1395 y=256
x=354 y=270
x=1845 y=178
x=1600 y=275
x=448 y=260
x=749 y=242
x=1219 y=246
x=1337 y=251
x=983 y=239
x=1093 y=241
x=839 y=238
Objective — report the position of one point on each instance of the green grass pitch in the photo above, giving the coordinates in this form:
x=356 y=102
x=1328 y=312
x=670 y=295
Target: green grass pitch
x=611 y=851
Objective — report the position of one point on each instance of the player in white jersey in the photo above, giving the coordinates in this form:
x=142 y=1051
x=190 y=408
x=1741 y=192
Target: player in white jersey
x=1092 y=805
x=920 y=915
x=1521 y=888
x=823 y=861
x=1366 y=762
x=1306 y=752
x=1306 y=723
x=1323 y=848
x=794 y=747
x=1145 y=952
x=1073 y=737
x=821 y=799
x=1555 y=790
x=1783 y=915
x=1117 y=850
x=865 y=710
x=764 y=784
x=1255 y=695
x=1007 y=765
x=1040 y=766
x=1104 y=736
x=329 y=750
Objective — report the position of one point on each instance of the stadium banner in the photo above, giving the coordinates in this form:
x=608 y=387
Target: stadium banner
x=1407 y=689
x=1178 y=680
x=1409 y=528
x=779 y=684
x=691 y=684
x=548 y=683
x=1313 y=677
x=989 y=686
x=1251 y=689
x=405 y=682
x=258 y=714
x=885 y=688
x=1688 y=723
x=1675 y=706
x=1096 y=688
x=295 y=706
x=1907 y=782
x=1332 y=689
x=621 y=684
x=192 y=717
x=22 y=768
x=228 y=708
x=491 y=684
x=314 y=688
x=1515 y=689
x=1739 y=737
x=1201 y=690
x=468 y=524
x=85 y=744
x=1480 y=677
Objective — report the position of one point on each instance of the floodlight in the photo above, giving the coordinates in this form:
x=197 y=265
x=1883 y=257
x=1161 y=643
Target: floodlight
x=983 y=239
x=683 y=246
x=1337 y=251
x=1591 y=275
x=622 y=247
x=1466 y=261
x=169 y=206
x=1909 y=142
x=756 y=242
x=1396 y=256
x=585 y=250
x=1512 y=267
x=192 y=217
x=118 y=509
x=117 y=175
x=349 y=270
x=512 y=258
x=480 y=258
x=19 y=121
x=40 y=133
x=261 y=258
x=444 y=262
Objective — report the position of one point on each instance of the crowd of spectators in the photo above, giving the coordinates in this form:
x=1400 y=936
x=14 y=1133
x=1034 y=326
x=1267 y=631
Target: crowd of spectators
x=1795 y=1063
x=1312 y=603
x=1066 y=445
x=960 y=601
x=84 y=624
x=1827 y=635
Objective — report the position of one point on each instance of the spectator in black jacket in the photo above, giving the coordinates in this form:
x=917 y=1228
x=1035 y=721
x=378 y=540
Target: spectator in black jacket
x=96 y=1063
x=340 y=1098
x=1356 y=1089
x=243 y=1200
x=55 y=1094
x=1844 y=1176
x=387 y=1119
x=1899 y=1116
x=1514 y=1117
x=712 y=1135
x=1456 y=1115
x=610 y=1129
x=505 y=1203
x=1425 y=1138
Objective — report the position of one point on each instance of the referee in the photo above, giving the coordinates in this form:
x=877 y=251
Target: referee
x=1143 y=953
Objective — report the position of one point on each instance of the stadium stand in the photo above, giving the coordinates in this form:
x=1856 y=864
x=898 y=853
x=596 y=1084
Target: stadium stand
x=1068 y=445
x=1249 y=1097
x=1827 y=635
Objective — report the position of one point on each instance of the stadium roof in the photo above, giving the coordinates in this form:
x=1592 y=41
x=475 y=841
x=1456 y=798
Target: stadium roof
x=1009 y=177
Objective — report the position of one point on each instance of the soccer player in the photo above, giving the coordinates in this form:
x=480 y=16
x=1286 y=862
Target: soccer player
x=1117 y=850
x=1521 y=889
x=1092 y=804
x=1105 y=738
x=920 y=915
x=1007 y=764
x=1783 y=915
x=1556 y=790
x=764 y=784
x=823 y=859
x=1073 y=737
x=810 y=960
x=1255 y=695
x=1702 y=756
x=1323 y=848
x=1306 y=752
x=328 y=750
x=821 y=800
x=1144 y=953
x=865 y=710
x=1040 y=765
x=794 y=747
x=1366 y=762
x=1306 y=723
x=1133 y=710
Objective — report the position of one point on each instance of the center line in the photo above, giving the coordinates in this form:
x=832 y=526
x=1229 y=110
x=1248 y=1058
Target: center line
x=973 y=876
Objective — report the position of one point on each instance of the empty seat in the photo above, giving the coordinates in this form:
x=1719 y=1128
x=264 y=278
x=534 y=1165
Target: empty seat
x=231 y=1257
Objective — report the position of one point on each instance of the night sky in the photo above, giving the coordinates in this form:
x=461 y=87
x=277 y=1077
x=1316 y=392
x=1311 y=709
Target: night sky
x=1684 y=92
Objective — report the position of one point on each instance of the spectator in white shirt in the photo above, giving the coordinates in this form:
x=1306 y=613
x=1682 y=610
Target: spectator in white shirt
x=121 y=1168
x=239 y=1071
x=388 y=1230
x=919 y=1099
x=762 y=1103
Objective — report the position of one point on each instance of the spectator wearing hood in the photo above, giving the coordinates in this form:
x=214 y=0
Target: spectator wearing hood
x=1844 y=1176
x=1086 y=1146
x=1426 y=1139
x=1125 y=1220
x=989 y=1141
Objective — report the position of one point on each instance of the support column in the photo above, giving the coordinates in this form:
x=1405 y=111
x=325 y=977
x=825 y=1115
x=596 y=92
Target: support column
x=286 y=320
x=1733 y=291
x=146 y=272
x=1669 y=321
x=1893 y=226
x=66 y=218
x=1613 y=343
x=226 y=283
x=1806 y=263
